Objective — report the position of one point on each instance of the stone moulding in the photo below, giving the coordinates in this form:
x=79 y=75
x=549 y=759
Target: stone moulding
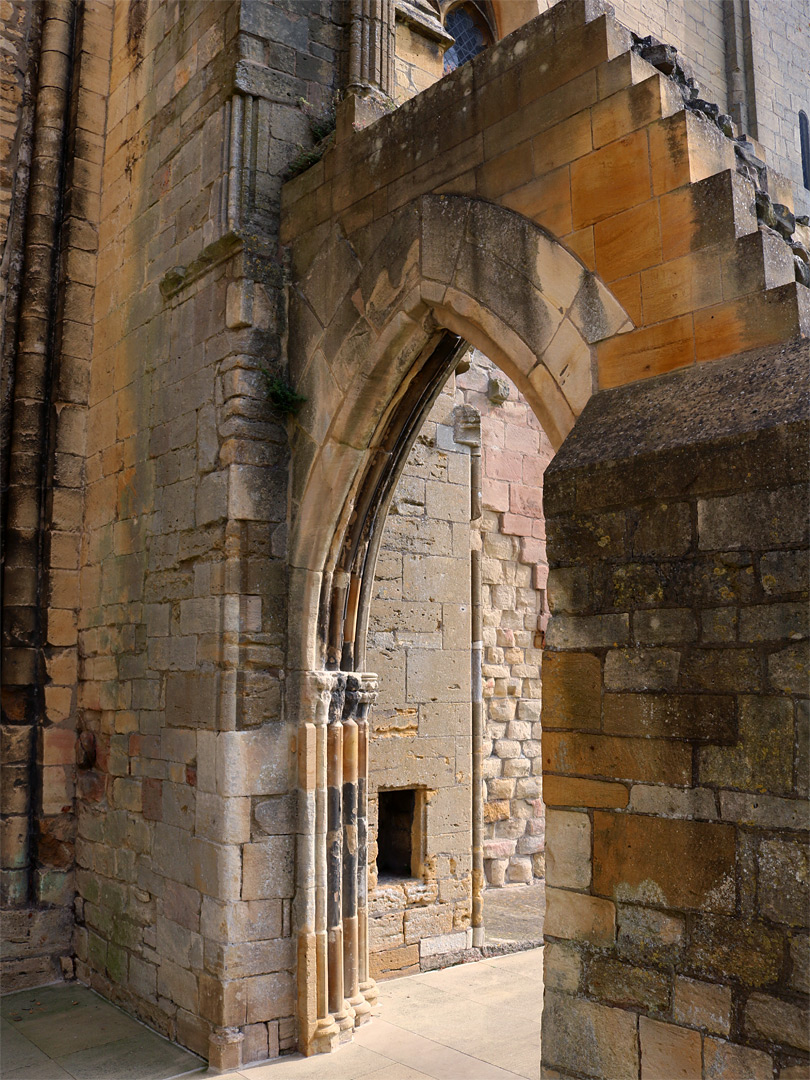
x=335 y=991
x=177 y=279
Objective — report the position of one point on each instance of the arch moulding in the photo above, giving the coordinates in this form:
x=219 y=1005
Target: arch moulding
x=376 y=322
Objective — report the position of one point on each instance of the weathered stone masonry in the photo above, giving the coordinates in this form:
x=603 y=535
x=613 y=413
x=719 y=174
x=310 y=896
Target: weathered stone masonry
x=183 y=562
x=675 y=728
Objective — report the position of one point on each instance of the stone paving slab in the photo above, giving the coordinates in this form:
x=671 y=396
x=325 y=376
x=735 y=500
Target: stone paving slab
x=68 y=1032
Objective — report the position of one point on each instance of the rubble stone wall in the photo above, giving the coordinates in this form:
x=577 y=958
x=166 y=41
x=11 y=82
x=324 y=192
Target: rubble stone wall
x=675 y=742
x=512 y=535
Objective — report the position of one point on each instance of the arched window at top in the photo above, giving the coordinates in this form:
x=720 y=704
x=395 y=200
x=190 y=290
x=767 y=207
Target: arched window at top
x=472 y=35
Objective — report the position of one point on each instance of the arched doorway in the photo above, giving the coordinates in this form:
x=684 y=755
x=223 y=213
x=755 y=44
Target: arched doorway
x=378 y=321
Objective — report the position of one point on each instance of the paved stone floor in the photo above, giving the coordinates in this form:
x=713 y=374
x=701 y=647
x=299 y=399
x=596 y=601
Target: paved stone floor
x=471 y=1022
x=476 y=1021
x=66 y=1032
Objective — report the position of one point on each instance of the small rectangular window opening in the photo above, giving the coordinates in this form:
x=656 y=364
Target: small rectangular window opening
x=396 y=828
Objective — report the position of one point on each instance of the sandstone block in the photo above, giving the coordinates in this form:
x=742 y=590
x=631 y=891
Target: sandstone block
x=747 y=950
x=682 y=716
x=571 y=691
x=223 y=1003
x=581 y=1037
x=579 y=917
x=641 y=669
x=702 y=1005
x=673 y=802
x=586 y=631
x=568 y=849
x=670 y=1051
x=629 y=987
x=651 y=760
x=777 y=1021
x=784 y=881
x=762 y=758
x=571 y=791
x=683 y=864
x=253 y=762
x=270 y=996
x=267 y=869
x=724 y=1061
x=562 y=966
x=391 y=962
x=649 y=936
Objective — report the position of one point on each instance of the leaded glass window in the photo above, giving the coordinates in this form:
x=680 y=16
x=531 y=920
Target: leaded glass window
x=470 y=33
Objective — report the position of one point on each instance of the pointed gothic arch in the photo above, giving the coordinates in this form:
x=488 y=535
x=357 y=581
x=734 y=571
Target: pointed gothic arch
x=377 y=318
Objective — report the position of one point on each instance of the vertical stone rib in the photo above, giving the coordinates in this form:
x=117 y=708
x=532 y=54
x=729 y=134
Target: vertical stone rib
x=467 y=431
x=27 y=468
x=317 y=1026
x=371 y=46
x=236 y=148
x=351 y=971
x=367 y=697
x=334 y=854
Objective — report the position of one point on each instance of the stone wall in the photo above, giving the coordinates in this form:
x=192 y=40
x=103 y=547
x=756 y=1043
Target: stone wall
x=186 y=821
x=515 y=454
x=419 y=640
x=419 y=644
x=780 y=48
x=675 y=717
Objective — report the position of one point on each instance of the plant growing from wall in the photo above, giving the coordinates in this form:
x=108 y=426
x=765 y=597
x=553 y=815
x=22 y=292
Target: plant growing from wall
x=322 y=127
x=280 y=393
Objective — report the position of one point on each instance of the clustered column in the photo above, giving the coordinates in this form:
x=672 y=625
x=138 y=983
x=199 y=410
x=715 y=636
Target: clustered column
x=372 y=47
x=335 y=991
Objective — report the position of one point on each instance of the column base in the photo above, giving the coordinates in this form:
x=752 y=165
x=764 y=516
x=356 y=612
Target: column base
x=362 y=1009
x=325 y=1038
x=370 y=992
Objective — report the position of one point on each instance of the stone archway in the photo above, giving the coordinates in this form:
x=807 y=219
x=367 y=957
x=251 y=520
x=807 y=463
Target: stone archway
x=375 y=323
x=651 y=697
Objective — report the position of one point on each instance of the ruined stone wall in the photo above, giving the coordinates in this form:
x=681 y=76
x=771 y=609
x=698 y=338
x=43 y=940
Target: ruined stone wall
x=515 y=454
x=696 y=30
x=414 y=647
x=675 y=738
x=752 y=56
x=421 y=736
x=780 y=48
x=186 y=821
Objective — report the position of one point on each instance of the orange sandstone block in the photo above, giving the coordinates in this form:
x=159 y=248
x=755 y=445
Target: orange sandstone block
x=572 y=791
x=764 y=319
x=634 y=108
x=610 y=180
x=678 y=863
x=667 y=1050
x=681 y=285
x=579 y=917
x=506 y=172
x=628 y=242
x=614 y=758
x=562 y=143
x=628 y=292
x=685 y=148
x=546 y=200
x=581 y=243
x=572 y=689
x=649 y=351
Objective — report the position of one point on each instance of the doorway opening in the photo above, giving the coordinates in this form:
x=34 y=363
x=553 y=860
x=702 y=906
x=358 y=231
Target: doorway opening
x=420 y=641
